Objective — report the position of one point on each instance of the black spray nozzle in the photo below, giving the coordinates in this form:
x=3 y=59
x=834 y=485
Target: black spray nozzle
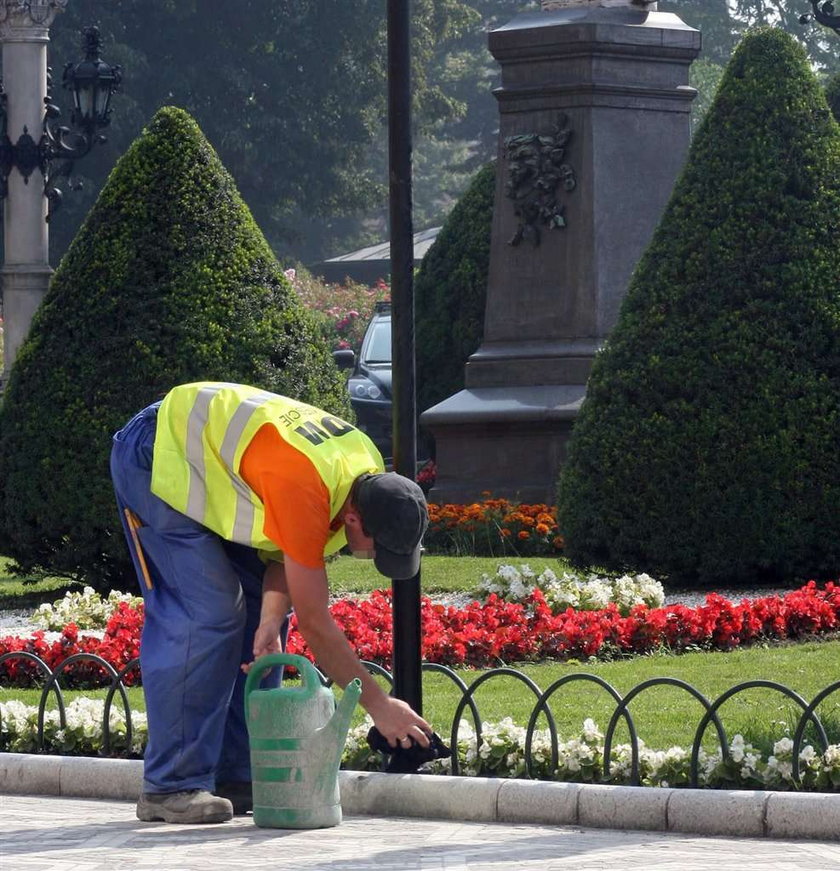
x=405 y=760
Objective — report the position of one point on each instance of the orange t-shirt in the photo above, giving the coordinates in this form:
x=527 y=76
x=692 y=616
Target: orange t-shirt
x=295 y=499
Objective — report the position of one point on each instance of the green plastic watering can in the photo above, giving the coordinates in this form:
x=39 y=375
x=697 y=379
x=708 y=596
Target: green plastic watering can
x=296 y=735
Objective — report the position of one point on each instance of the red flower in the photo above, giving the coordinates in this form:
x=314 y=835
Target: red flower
x=480 y=634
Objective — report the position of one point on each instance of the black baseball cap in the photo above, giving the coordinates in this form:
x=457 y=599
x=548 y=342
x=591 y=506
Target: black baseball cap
x=395 y=515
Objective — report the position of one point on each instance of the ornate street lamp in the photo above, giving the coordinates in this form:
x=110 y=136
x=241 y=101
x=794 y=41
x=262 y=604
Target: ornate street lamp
x=92 y=82
x=823 y=14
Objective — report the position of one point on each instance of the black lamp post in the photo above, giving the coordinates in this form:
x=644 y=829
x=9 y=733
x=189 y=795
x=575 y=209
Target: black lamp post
x=406 y=593
x=823 y=14
x=92 y=82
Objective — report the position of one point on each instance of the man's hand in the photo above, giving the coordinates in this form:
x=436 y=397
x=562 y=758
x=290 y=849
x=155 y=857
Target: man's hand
x=266 y=640
x=276 y=605
x=398 y=722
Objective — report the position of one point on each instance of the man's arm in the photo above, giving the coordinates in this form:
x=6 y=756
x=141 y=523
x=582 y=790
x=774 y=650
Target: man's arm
x=309 y=591
x=276 y=605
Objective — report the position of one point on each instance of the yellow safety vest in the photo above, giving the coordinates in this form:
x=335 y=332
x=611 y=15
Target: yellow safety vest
x=202 y=432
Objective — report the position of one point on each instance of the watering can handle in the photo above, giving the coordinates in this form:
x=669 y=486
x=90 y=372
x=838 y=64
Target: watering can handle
x=307 y=671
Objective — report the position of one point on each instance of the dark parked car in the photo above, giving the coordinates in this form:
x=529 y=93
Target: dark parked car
x=370 y=382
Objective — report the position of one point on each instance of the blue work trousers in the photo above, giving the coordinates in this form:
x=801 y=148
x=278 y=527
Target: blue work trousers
x=201 y=613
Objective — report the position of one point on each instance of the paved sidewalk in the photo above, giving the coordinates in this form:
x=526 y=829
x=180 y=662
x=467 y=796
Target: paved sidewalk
x=67 y=834
x=710 y=812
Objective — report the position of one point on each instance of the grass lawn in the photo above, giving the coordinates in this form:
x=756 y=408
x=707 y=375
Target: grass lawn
x=664 y=715
x=17 y=592
x=438 y=574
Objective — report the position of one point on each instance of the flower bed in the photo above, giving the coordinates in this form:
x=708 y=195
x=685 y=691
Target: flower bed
x=590 y=593
x=501 y=752
x=82 y=734
x=342 y=311
x=488 y=633
x=119 y=645
x=87 y=610
x=494 y=527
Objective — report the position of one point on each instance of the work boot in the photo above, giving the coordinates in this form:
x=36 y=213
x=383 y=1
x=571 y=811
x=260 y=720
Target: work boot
x=189 y=806
x=238 y=793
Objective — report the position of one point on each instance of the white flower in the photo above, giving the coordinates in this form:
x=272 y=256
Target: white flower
x=88 y=610
x=807 y=755
x=783 y=768
x=595 y=594
x=572 y=763
x=82 y=732
x=783 y=747
x=571 y=591
x=591 y=732
x=831 y=757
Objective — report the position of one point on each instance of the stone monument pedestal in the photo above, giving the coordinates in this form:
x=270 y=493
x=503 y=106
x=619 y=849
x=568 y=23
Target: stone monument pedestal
x=594 y=129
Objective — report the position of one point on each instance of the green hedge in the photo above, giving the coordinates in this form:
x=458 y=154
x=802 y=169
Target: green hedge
x=451 y=292
x=169 y=280
x=707 y=448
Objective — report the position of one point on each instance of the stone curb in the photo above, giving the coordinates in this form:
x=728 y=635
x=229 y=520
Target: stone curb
x=707 y=812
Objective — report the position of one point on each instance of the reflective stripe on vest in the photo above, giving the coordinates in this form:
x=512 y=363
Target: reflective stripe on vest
x=197 y=498
x=198 y=441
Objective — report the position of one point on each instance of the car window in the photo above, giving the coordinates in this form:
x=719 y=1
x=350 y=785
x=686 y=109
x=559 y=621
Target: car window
x=378 y=346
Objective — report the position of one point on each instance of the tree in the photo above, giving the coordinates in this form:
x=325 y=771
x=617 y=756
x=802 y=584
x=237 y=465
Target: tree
x=707 y=445
x=720 y=30
x=819 y=42
x=291 y=93
x=168 y=281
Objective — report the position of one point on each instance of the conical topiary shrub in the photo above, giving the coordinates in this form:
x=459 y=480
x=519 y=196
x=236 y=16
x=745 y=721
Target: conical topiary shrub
x=169 y=280
x=708 y=446
x=451 y=292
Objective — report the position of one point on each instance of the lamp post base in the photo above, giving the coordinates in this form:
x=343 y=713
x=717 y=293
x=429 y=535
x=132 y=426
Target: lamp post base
x=24 y=288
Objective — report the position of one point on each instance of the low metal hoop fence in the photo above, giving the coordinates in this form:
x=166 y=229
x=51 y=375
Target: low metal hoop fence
x=116 y=686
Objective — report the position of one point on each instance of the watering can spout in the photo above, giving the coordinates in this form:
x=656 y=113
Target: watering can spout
x=334 y=733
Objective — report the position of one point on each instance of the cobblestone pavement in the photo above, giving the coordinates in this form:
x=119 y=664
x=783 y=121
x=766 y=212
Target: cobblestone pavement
x=60 y=834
